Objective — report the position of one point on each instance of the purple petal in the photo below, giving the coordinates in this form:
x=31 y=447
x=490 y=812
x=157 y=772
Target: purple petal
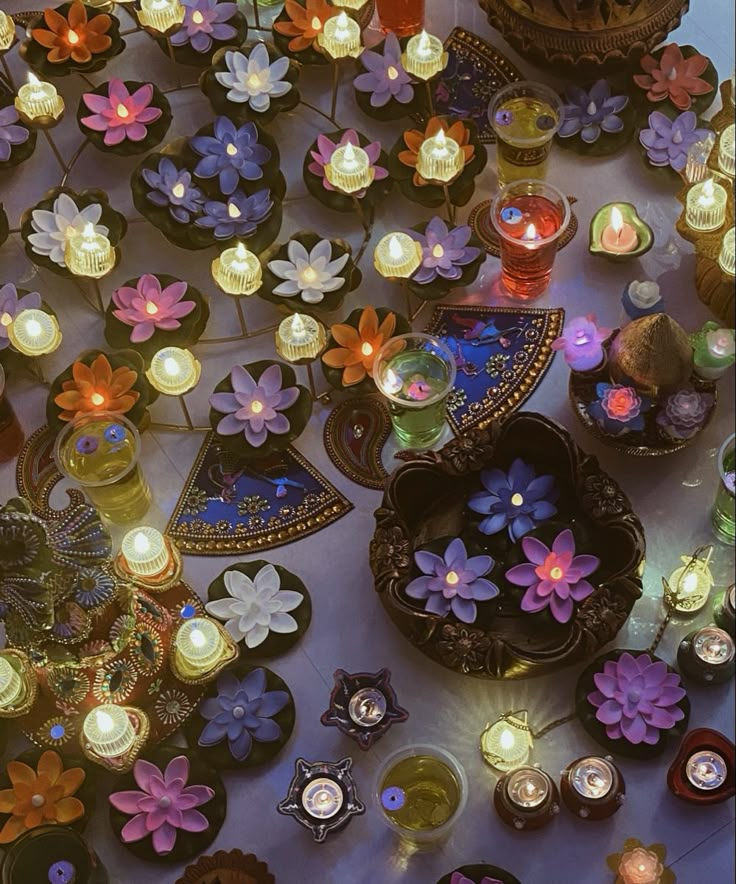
x=564 y=543
x=634 y=729
x=609 y=712
x=534 y=550
x=522 y=575
x=532 y=602
x=135 y=829
x=428 y=562
x=562 y=609
x=606 y=684
x=464 y=609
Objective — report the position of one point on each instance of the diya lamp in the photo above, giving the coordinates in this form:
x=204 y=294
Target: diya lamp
x=727 y=151
x=688 y=587
x=618 y=233
x=300 y=340
x=89 y=253
x=592 y=787
x=705 y=206
x=18 y=686
x=703 y=771
x=322 y=796
x=163 y=16
x=35 y=333
x=724 y=609
x=114 y=736
x=507 y=742
x=727 y=255
x=149 y=559
x=237 y=271
x=7 y=31
x=38 y=103
x=526 y=798
x=714 y=351
x=708 y=655
x=202 y=648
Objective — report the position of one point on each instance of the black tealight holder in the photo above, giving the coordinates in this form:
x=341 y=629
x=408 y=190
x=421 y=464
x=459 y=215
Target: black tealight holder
x=707 y=655
x=592 y=788
x=526 y=798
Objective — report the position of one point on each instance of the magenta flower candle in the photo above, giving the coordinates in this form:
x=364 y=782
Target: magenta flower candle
x=148 y=307
x=582 y=343
x=119 y=114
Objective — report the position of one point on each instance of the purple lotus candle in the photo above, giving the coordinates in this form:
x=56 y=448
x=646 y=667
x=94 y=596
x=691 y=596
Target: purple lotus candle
x=582 y=343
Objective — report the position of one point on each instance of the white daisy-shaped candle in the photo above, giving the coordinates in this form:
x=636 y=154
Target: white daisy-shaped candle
x=253 y=79
x=309 y=274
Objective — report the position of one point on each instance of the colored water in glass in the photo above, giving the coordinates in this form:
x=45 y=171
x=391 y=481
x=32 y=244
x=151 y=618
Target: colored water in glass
x=418 y=426
x=526 y=264
x=724 y=515
x=109 y=474
x=403 y=17
x=420 y=793
x=11 y=432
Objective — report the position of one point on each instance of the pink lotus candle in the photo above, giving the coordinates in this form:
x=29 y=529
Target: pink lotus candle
x=582 y=343
x=618 y=236
x=120 y=114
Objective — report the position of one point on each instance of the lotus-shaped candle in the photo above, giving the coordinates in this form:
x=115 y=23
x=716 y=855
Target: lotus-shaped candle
x=451 y=258
x=231 y=153
x=173 y=188
x=666 y=142
x=638 y=864
x=385 y=90
x=582 y=343
x=17 y=140
x=610 y=227
x=674 y=74
x=207 y=22
x=595 y=121
x=683 y=414
x=238 y=217
x=127 y=117
x=299 y=25
x=642 y=299
x=619 y=409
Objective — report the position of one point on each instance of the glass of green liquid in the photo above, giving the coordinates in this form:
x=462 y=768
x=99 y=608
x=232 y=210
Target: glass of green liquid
x=100 y=453
x=421 y=791
x=724 y=516
x=415 y=372
x=525 y=117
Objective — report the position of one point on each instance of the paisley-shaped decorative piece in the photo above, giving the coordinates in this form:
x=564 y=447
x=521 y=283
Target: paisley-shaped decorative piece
x=473 y=74
x=354 y=436
x=36 y=474
x=231 y=506
x=501 y=354
x=480 y=221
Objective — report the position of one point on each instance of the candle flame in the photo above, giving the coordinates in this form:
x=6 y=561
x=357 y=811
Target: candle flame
x=104 y=722
x=424 y=45
x=33 y=79
x=297 y=324
x=233 y=211
x=72 y=37
x=441 y=140
x=507 y=739
x=316 y=24
x=256 y=407
x=438 y=251
x=151 y=308
x=708 y=189
x=310 y=274
x=530 y=233
x=197 y=638
x=394 y=249
x=141 y=544
x=89 y=231
x=241 y=253
x=231 y=150
x=254 y=81
x=6 y=319
x=197 y=17
x=617 y=220
x=178 y=190
x=122 y=111
x=171 y=367
x=33 y=328
x=349 y=154
x=392 y=73
x=342 y=21
x=97 y=399
x=366 y=349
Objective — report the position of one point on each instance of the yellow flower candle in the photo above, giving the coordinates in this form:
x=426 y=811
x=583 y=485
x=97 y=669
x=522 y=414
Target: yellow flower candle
x=36 y=100
x=349 y=169
x=145 y=552
x=300 y=337
x=11 y=684
x=174 y=371
x=89 y=253
x=161 y=15
x=727 y=150
x=238 y=271
x=440 y=158
x=340 y=37
x=34 y=333
x=397 y=256
x=705 y=207
x=108 y=731
x=425 y=56
x=199 y=646
x=727 y=257
x=7 y=31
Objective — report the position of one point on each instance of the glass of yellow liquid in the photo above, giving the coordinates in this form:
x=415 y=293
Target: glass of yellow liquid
x=100 y=453
x=421 y=791
x=525 y=117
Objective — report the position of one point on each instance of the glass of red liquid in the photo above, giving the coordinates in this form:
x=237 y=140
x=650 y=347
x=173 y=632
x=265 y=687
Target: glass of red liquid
x=11 y=433
x=530 y=217
x=403 y=17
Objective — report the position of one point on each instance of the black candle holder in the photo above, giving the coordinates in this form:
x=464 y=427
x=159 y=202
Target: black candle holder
x=520 y=809
x=707 y=655
x=586 y=790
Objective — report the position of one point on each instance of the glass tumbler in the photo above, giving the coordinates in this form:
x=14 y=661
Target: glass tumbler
x=724 y=523
x=101 y=454
x=403 y=17
x=11 y=432
x=51 y=855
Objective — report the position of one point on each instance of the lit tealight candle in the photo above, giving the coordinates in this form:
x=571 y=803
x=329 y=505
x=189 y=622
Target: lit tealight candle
x=640 y=866
x=161 y=15
x=7 y=31
x=37 y=100
x=397 y=256
x=705 y=206
x=145 y=552
x=592 y=777
x=592 y=788
x=440 y=158
x=238 y=271
x=618 y=236
x=340 y=36
x=108 y=731
x=300 y=337
x=506 y=743
x=34 y=333
x=349 y=169
x=89 y=253
x=727 y=150
x=706 y=770
x=691 y=584
x=174 y=371
x=727 y=257
x=199 y=645
x=425 y=56
x=11 y=684
x=322 y=798
x=698 y=154
x=528 y=788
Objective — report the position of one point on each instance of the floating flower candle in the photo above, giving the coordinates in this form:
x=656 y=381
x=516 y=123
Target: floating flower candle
x=145 y=552
x=7 y=31
x=640 y=866
x=440 y=158
x=727 y=150
x=174 y=371
x=300 y=337
x=582 y=343
x=425 y=56
x=161 y=15
x=11 y=684
x=238 y=271
x=108 y=731
x=727 y=256
x=199 y=646
x=705 y=207
x=37 y=100
x=340 y=37
x=89 y=253
x=714 y=350
x=397 y=256
x=619 y=237
x=349 y=169
x=35 y=333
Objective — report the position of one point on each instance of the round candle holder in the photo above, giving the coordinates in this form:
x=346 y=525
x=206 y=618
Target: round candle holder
x=526 y=799
x=125 y=761
x=601 y=221
x=703 y=772
x=52 y=853
x=27 y=685
x=592 y=788
x=708 y=655
x=159 y=581
x=724 y=609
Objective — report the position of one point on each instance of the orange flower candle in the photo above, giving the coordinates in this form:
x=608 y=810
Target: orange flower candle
x=97 y=388
x=73 y=38
x=357 y=348
x=305 y=23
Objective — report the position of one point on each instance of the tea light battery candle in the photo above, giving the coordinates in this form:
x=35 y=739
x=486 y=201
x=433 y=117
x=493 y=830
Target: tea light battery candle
x=526 y=798
x=161 y=15
x=425 y=56
x=340 y=37
x=174 y=371
x=322 y=798
x=727 y=256
x=199 y=646
x=440 y=159
x=506 y=743
x=89 y=253
x=108 y=731
x=145 y=552
x=708 y=655
x=300 y=338
x=367 y=707
x=238 y=271
x=698 y=154
x=349 y=169
x=592 y=788
x=397 y=256
x=39 y=102
x=619 y=237
x=727 y=150
x=35 y=333
x=11 y=685
x=7 y=31
x=706 y=770
x=705 y=206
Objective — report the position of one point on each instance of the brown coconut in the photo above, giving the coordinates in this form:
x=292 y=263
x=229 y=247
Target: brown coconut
x=654 y=353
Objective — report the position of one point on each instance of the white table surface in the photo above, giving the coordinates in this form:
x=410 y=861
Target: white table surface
x=350 y=628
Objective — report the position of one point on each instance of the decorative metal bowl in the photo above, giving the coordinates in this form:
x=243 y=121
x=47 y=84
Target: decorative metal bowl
x=425 y=499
